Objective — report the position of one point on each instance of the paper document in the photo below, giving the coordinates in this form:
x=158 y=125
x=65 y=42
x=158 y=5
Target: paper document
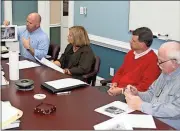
x=113 y=124
x=26 y=64
x=9 y=114
x=7 y=103
x=128 y=121
x=13 y=124
x=63 y=83
x=139 y=120
x=50 y=64
x=6 y=55
x=114 y=109
x=4 y=81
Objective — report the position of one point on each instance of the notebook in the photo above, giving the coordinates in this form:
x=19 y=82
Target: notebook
x=63 y=85
x=9 y=114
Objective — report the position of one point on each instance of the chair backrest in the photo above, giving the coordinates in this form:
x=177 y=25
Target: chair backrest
x=90 y=78
x=53 y=51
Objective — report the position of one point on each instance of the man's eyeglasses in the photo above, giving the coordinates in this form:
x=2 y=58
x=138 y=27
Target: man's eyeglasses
x=159 y=63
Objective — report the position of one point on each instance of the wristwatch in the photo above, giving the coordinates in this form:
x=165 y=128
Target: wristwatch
x=28 y=47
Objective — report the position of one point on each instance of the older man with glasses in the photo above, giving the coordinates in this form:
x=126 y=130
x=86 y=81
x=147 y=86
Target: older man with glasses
x=162 y=100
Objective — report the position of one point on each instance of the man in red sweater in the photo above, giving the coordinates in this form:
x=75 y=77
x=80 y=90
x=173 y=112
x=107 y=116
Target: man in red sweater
x=140 y=67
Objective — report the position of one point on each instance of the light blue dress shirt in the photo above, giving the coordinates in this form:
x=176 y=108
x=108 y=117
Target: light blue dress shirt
x=39 y=41
x=162 y=100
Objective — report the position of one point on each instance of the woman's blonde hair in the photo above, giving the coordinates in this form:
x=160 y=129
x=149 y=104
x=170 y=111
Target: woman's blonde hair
x=79 y=36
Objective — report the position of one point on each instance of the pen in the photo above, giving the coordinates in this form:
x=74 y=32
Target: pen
x=63 y=93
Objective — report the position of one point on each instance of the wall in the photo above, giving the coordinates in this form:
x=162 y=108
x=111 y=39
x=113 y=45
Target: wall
x=2 y=12
x=21 y=10
x=55 y=12
x=107 y=19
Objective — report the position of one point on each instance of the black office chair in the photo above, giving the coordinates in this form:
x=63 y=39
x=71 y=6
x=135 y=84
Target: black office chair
x=90 y=78
x=53 y=51
x=105 y=82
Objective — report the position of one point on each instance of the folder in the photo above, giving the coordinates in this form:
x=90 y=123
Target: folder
x=63 y=85
x=9 y=114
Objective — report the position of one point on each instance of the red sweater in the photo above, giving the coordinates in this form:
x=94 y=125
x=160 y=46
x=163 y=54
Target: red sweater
x=141 y=72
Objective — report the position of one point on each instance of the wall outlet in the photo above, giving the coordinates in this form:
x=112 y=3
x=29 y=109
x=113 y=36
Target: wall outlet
x=111 y=71
x=81 y=10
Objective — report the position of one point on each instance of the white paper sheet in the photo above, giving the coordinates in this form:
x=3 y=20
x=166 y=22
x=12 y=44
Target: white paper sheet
x=4 y=81
x=129 y=121
x=26 y=64
x=113 y=124
x=50 y=64
x=139 y=120
x=7 y=103
x=7 y=112
x=63 y=83
x=6 y=55
x=10 y=115
x=114 y=109
x=14 y=124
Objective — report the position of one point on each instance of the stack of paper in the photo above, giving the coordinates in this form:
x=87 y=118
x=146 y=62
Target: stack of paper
x=6 y=55
x=10 y=115
x=12 y=125
x=64 y=83
x=26 y=64
x=3 y=79
x=113 y=124
x=115 y=108
x=127 y=122
x=50 y=64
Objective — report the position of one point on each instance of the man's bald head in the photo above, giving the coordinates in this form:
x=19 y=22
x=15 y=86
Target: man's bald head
x=33 y=22
x=35 y=16
x=169 y=56
x=171 y=50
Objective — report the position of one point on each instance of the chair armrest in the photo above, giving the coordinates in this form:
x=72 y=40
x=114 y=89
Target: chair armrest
x=105 y=82
x=86 y=76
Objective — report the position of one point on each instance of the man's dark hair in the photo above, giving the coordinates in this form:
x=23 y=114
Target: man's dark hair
x=145 y=35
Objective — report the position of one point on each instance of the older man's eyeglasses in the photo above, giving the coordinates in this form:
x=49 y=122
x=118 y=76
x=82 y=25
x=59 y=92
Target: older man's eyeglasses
x=159 y=63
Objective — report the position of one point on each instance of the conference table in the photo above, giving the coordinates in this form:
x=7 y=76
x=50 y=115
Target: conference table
x=73 y=112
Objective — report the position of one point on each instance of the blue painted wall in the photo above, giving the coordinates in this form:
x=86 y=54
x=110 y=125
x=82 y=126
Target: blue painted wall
x=109 y=58
x=107 y=19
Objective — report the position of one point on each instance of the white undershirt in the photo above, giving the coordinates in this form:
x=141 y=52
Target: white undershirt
x=141 y=54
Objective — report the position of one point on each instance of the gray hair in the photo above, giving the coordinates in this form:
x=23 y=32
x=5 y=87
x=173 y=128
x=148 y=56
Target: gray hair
x=175 y=55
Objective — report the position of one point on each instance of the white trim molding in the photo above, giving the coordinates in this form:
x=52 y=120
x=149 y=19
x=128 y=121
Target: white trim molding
x=110 y=43
x=44 y=11
x=71 y=14
x=8 y=10
x=55 y=25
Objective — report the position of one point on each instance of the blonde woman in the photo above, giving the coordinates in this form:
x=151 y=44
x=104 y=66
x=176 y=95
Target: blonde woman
x=78 y=57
